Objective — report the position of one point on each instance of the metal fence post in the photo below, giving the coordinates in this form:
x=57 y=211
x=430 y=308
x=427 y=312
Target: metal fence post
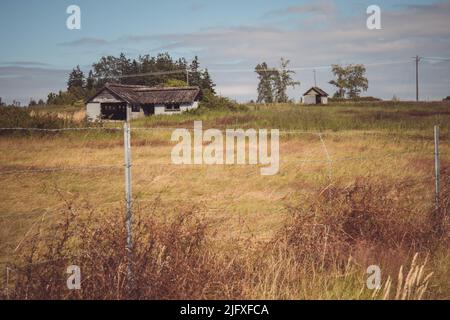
x=128 y=200
x=7 y=283
x=437 y=168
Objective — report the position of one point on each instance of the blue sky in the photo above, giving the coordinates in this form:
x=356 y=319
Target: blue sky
x=230 y=38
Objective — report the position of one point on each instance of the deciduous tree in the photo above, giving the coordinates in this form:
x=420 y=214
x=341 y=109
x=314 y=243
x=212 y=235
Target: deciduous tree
x=349 y=80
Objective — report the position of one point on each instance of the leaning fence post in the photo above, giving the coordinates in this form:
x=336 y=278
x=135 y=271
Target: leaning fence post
x=128 y=200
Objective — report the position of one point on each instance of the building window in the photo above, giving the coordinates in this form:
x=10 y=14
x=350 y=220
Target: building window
x=135 y=108
x=173 y=107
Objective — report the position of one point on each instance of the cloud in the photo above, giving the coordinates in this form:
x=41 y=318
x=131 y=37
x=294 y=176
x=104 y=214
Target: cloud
x=318 y=7
x=22 y=83
x=197 y=6
x=24 y=63
x=87 y=41
x=413 y=30
x=406 y=31
x=236 y=90
x=403 y=33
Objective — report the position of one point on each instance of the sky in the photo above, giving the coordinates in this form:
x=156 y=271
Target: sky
x=230 y=38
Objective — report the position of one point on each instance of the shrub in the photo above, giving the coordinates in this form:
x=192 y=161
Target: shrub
x=363 y=215
x=214 y=102
x=18 y=117
x=357 y=99
x=170 y=260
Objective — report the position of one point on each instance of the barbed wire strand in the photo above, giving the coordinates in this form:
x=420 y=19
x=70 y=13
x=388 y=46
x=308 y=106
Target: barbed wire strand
x=281 y=132
x=106 y=167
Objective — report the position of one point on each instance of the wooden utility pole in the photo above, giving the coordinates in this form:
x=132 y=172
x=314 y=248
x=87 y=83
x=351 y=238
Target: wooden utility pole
x=315 y=82
x=187 y=76
x=417 y=77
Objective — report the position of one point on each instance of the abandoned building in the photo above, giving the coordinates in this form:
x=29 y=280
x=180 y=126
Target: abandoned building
x=315 y=95
x=126 y=102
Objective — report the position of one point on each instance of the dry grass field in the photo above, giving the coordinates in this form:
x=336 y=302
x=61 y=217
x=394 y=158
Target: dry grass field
x=204 y=231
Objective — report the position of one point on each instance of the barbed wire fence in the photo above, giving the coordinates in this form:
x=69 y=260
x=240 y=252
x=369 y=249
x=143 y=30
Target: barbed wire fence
x=127 y=128
x=329 y=161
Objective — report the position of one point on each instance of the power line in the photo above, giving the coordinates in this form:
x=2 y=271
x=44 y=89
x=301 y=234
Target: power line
x=243 y=70
x=436 y=58
x=417 y=60
x=155 y=73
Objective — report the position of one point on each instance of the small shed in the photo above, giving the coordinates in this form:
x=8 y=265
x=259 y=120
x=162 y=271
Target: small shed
x=315 y=95
x=122 y=102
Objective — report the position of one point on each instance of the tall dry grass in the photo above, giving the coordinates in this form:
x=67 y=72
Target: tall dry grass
x=321 y=253
x=171 y=259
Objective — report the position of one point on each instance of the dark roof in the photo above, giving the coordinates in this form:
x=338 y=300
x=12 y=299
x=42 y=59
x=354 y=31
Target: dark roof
x=317 y=90
x=135 y=94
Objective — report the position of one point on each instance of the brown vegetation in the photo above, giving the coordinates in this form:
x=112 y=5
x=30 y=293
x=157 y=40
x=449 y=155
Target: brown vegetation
x=320 y=247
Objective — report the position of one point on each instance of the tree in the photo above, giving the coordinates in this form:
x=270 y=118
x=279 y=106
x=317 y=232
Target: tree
x=265 y=76
x=194 y=73
x=76 y=79
x=51 y=97
x=150 y=71
x=175 y=83
x=350 y=80
x=273 y=83
x=132 y=70
x=90 y=81
x=206 y=82
x=357 y=82
x=32 y=103
x=105 y=70
x=340 y=74
x=145 y=70
x=283 y=80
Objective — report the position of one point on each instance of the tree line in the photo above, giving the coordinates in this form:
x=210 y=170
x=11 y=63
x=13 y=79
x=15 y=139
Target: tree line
x=166 y=72
x=273 y=83
x=14 y=103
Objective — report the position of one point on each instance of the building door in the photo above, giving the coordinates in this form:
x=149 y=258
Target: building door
x=114 y=111
x=318 y=99
x=148 y=109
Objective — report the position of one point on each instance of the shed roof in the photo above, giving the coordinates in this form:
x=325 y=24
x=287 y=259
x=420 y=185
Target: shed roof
x=136 y=94
x=317 y=90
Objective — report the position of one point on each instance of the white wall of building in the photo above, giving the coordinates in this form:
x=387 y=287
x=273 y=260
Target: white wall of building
x=161 y=109
x=309 y=99
x=93 y=111
x=93 y=108
x=137 y=114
